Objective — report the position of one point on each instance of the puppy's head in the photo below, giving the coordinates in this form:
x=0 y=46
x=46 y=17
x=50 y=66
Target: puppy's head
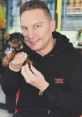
x=15 y=40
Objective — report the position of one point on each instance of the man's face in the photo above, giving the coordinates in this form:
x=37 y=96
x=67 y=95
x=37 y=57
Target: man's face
x=37 y=29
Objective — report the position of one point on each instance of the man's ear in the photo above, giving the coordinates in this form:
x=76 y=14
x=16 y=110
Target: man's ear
x=6 y=36
x=53 y=25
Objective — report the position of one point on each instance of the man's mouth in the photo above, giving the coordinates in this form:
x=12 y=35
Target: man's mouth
x=33 y=42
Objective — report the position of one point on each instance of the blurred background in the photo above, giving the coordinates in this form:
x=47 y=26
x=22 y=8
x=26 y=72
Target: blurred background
x=68 y=16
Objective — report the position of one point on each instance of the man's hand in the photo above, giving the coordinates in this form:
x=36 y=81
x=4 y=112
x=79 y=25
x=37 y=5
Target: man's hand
x=34 y=77
x=17 y=62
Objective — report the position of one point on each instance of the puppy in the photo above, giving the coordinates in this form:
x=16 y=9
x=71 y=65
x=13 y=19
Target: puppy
x=14 y=45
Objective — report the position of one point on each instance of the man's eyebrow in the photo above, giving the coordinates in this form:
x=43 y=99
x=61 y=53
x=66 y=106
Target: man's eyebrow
x=37 y=23
x=32 y=24
x=23 y=26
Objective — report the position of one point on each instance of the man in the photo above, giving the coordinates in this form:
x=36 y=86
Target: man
x=52 y=85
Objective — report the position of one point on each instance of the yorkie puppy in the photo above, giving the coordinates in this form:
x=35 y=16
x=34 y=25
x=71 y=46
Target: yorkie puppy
x=13 y=46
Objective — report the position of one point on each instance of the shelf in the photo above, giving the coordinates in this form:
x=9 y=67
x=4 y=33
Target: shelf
x=74 y=10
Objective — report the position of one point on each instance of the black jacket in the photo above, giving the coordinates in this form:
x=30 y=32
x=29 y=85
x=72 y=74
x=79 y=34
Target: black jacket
x=62 y=68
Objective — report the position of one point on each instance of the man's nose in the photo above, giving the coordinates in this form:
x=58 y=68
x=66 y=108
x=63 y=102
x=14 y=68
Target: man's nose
x=30 y=33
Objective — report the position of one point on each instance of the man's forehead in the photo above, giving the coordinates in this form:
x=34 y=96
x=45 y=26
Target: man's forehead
x=34 y=14
x=32 y=18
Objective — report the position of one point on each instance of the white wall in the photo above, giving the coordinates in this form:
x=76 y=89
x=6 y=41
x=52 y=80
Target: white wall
x=72 y=35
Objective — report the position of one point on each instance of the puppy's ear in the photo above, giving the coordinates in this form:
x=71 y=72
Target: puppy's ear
x=6 y=36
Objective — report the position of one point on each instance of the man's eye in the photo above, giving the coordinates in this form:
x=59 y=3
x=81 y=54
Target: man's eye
x=38 y=26
x=24 y=28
